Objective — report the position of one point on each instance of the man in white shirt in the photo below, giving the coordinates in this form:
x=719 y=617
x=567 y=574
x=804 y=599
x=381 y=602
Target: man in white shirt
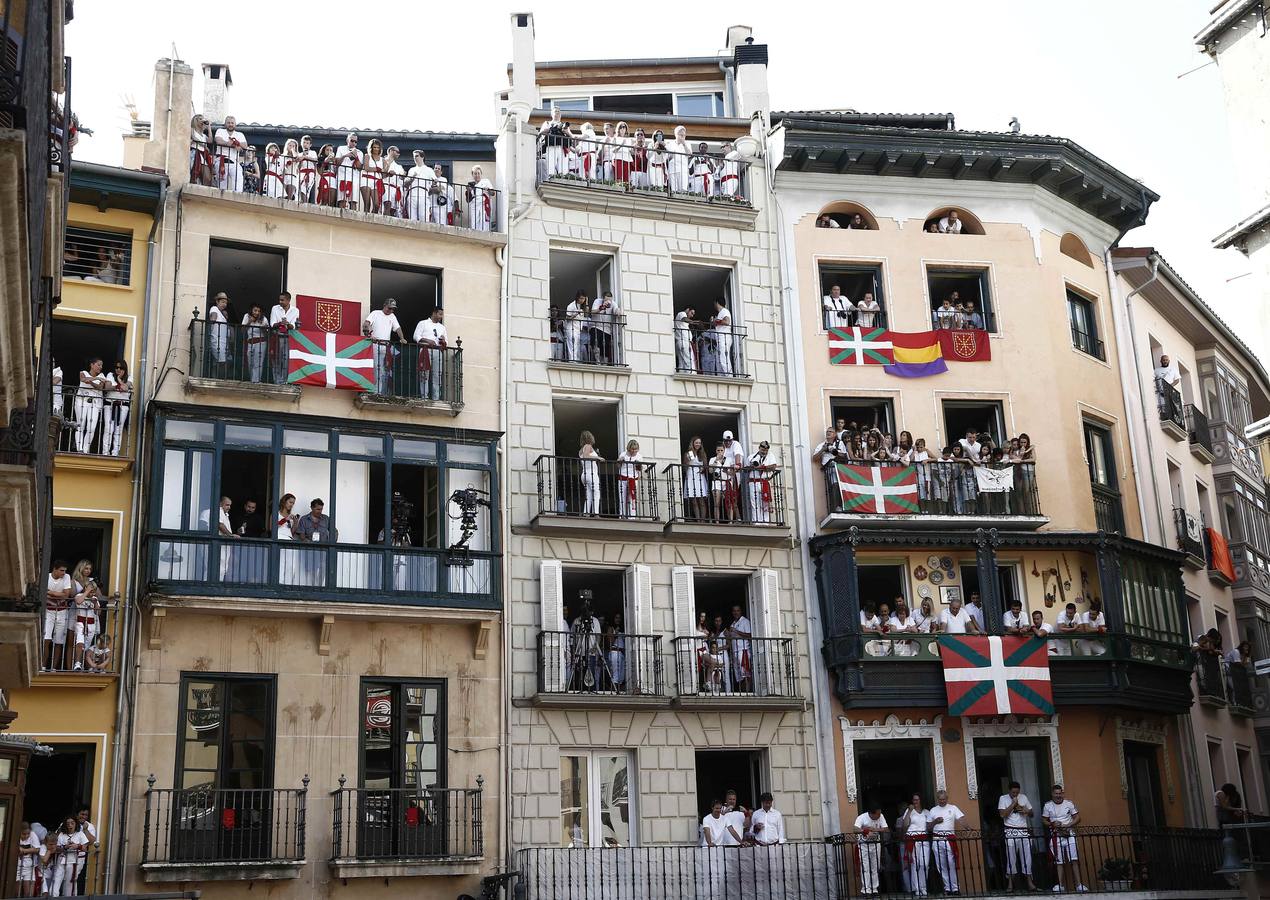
x=1092 y=621
x=380 y=326
x=1061 y=817
x=74 y=858
x=1168 y=372
x=431 y=337
x=734 y=827
x=916 y=825
x=944 y=817
x=282 y=318
x=975 y=608
x=61 y=588
x=945 y=316
x=1016 y=812
x=442 y=196
x=1066 y=626
x=575 y=316
x=721 y=336
x=838 y=309
x=230 y=142
x=349 y=160
x=829 y=450
x=866 y=311
x=870 y=826
x=759 y=471
x=970 y=443
x=739 y=634
x=957 y=620
x=685 y=352
x=714 y=827
x=767 y=824
x=951 y=223
x=604 y=312
x=1041 y=630
x=418 y=187
x=1015 y=621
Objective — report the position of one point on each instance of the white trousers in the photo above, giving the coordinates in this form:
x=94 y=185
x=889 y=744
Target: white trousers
x=555 y=160
x=870 y=856
x=946 y=863
x=683 y=350
x=627 y=505
x=417 y=203
x=723 y=353
x=231 y=177
x=919 y=867
x=760 y=511
x=116 y=420
x=1018 y=852
x=255 y=358
x=591 y=494
x=87 y=415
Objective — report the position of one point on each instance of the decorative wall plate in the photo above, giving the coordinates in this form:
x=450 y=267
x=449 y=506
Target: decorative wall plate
x=945 y=562
x=936 y=577
x=920 y=573
x=924 y=591
x=950 y=574
x=932 y=561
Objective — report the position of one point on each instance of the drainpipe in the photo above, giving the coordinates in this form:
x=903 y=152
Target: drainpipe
x=729 y=80
x=131 y=611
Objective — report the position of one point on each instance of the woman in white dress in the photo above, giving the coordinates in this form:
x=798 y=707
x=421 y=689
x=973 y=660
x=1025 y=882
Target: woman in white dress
x=218 y=333
x=202 y=166
x=275 y=172
x=255 y=337
x=290 y=161
x=622 y=155
x=305 y=170
x=373 y=176
x=393 y=175
x=658 y=159
x=696 y=482
x=285 y=522
x=118 y=405
x=590 y=474
x=480 y=201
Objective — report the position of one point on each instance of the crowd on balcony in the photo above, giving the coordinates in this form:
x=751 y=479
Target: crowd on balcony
x=588 y=331
x=54 y=863
x=638 y=161
x=370 y=180
x=722 y=653
x=947 y=482
x=100 y=404
x=730 y=824
x=74 y=612
x=1213 y=661
x=1067 y=635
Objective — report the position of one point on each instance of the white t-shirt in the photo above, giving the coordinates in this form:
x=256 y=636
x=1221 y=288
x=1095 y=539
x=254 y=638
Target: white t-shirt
x=918 y=820
x=78 y=841
x=972 y=448
x=949 y=225
x=869 y=621
x=1046 y=628
x=1069 y=621
x=864 y=820
x=1097 y=621
x=1015 y=819
x=976 y=613
x=828 y=451
x=773 y=830
x=291 y=315
x=59 y=584
x=736 y=819
x=1013 y=619
x=433 y=331
x=715 y=828
x=909 y=624
x=382 y=325
x=742 y=624
x=954 y=622
x=950 y=813
x=224 y=522
x=26 y=864
x=1059 y=813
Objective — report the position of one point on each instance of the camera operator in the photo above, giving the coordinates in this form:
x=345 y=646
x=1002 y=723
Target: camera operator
x=587 y=661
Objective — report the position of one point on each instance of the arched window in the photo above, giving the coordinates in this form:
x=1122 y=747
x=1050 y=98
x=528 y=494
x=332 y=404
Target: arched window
x=845 y=214
x=1072 y=246
x=970 y=223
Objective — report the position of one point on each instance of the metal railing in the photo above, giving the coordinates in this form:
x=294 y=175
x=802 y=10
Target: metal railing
x=650 y=169
x=921 y=646
x=371 y=188
x=90 y=254
x=1108 y=509
x=961 y=321
x=1169 y=400
x=1197 y=430
x=92 y=632
x=220 y=825
x=405 y=824
x=725 y=495
x=84 y=868
x=94 y=422
x=722 y=667
x=938 y=488
x=1190 y=534
x=258 y=354
x=1102 y=859
x=413 y=576
x=620 y=665
x=1210 y=681
x=1088 y=343
x=1247 y=841
x=868 y=319
x=596 y=340
x=569 y=486
x=705 y=349
x=1239 y=681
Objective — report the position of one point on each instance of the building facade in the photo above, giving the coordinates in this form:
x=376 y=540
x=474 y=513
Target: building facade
x=315 y=692
x=625 y=553
x=1194 y=387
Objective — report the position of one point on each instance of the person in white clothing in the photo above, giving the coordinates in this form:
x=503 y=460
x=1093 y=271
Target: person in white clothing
x=729 y=170
x=951 y=223
x=604 y=313
x=680 y=152
x=52 y=865
x=916 y=825
x=58 y=596
x=1061 y=817
x=1041 y=630
x=373 y=176
x=282 y=318
x=419 y=189
x=738 y=635
x=73 y=844
x=701 y=170
x=902 y=622
x=1093 y=622
x=588 y=153
x=431 y=337
x=944 y=817
x=230 y=144
x=870 y=827
x=1067 y=625
x=394 y=196
x=442 y=196
x=622 y=156
x=957 y=620
x=970 y=443
x=734 y=826
x=203 y=168
x=829 y=450
x=946 y=315
x=553 y=139
x=720 y=340
x=658 y=161
x=760 y=470
x=630 y=471
x=380 y=326
x=685 y=347
x=1016 y=813
x=349 y=161
x=604 y=167
x=837 y=308
x=767 y=825
x=1015 y=621
x=480 y=201
x=58 y=398
x=866 y=311
x=88 y=404
x=118 y=406
x=28 y=857
x=715 y=827
x=255 y=332
x=218 y=335
x=275 y=185
x=590 y=474
x=305 y=170
x=575 y=322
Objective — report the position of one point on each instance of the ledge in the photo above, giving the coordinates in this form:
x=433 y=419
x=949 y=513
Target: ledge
x=287 y=393
x=1171 y=428
x=746 y=380
x=19 y=647
x=612 y=201
x=838 y=521
x=1194 y=562
x=281 y=608
x=567 y=366
x=736 y=701
x=581 y=700
x=272 y=870
x=552 y=523
x=91 y=462
x=404 y=867
x=95 y=680
x=713 y=533
x=416 y=405
x=1202 y=453
x=1218 y=577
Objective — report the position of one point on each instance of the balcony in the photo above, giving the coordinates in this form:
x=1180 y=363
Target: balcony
x=589 y=340
x=255 y=361
x=576 y=495
x=209 y=565
x=1239 y=682
x=405 y=832
x=98 y=664
x=599 y=671
x=219 y=834
x=1088 y=343
x=709 y=351
x=1198 y=433
x=1190 y=538
x=1210 y=681
x=763 y=675
x=1172 y=415
x=931 y=495
x=94 y=430
x=1108 y=509
x=324 y=188
x=746 y=506
x=701 y=188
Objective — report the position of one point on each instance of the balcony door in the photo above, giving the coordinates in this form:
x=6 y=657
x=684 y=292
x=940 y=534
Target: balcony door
x=222 y=808
x=1146 y=807
x=402 y=809
x=597 y=799
x=997 y=763
x=1101 y=456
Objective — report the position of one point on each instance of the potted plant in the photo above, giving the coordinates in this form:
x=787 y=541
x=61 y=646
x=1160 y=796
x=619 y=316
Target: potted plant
x=1116 y=873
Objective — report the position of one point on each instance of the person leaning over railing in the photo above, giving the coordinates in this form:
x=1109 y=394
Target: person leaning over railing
x=57 y=600
x=761 y=468
x=380 y=325
x=630 y=471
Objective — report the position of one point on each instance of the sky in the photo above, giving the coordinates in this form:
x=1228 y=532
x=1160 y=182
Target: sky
x=1109 y=75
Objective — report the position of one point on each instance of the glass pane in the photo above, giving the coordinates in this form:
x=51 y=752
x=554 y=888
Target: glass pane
x=476 y=529
x=581 y=104
x=248 y=436
x=615 y=820
x=361 y=445
x=404 y=448
x=468 y=453
x=184 y=430
x=574 y=814
x=293 y=439
x=6 y=770
x=202 y=709
x=173 y=489
x=199 y=487
x=351 y=513
x=377 y=761
x=696 y=105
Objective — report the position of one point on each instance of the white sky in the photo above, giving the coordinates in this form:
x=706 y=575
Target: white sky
x=1101 y=72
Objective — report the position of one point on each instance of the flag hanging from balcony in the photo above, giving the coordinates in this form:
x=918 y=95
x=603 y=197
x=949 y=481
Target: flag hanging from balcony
x=965 y=345
x=993 y=676
x=858 y=346
x=890 y=490
x=331 y=316
x=1221 y=560
x=331 y=360
x=917 y=355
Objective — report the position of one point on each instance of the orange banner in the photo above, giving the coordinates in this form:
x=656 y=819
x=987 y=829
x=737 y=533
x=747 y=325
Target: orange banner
x=1220 y=558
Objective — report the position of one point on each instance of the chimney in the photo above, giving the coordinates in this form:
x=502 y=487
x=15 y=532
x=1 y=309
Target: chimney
x=524 y=93
x=750 y=64
x=216 y=83
x=169 y=146
x=737 y=35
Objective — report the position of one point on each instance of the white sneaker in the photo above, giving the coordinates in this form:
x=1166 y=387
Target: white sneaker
x=1081 y=889
x=79 y=667
x=1058 y=888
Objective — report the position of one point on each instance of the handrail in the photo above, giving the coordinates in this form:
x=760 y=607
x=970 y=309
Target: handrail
x=938 y=488
x=585 y=662
x=573 y=487
x=725 y=495
x=203 y=825
x=706 y=348
x=407 y=824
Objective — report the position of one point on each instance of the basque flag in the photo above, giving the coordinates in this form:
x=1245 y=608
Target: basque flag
x=858 y=346
x=331 y=360
x=885 y=490
x=993 y=676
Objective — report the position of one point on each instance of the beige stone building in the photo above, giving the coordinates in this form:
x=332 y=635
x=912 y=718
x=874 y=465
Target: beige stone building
x=315 y=702
x=626 y=718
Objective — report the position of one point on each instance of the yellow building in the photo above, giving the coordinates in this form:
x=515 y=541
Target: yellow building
x=72 y=704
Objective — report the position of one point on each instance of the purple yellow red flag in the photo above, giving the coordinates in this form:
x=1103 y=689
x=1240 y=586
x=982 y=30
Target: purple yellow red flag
x=916 y=354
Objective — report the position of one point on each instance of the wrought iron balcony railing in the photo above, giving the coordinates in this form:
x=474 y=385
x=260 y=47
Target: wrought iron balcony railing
x=94 y=422
x=1169 y=400
x=753 y=667
x=205 y=825
x=593 y=340
x=617 y=665
x=407 y=824
x=1190 y=535
x=705 y=349
x=1197 y=430
x=575 y=488
x=938 y=488
x=724 y=497
x=1210 y=680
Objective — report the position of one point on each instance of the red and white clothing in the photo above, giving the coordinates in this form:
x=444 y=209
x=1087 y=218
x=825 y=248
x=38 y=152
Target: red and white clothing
x=1018 y=841
x=229 y=145
x=916 y=850
x=373 y=177
x=305 y=174
x=88 y=407
x=27 y=861
x=762 y=468
x=87 y=620
x=629 y=471
x=418 y=202
x=677 y=165
x=349 y=160
x=945 y=843
x=74 y=858
x=55 y=610
x=275 y=176
x=431 y=338
x=869 y=847
x=588 y=154
x=622 y=158
x=118 y=405
x=730 y=174
x=658 y=162
x=442 y=199
x=480 y=205
x=1062 y=842
x=394 y=197
x=721 y=337
x=702 y=170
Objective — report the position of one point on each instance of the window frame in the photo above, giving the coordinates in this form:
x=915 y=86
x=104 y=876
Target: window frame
x=876 y=267
x=1086 y=341
x=987 y=296
x=238 y=306
x=224 y=679
x=442 y=714
x=126 y=238
x=594 y=839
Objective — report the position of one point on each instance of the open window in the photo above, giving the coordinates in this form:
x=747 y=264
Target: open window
x=84 y=539
x=983 y=416
x=861 y=287
x=942 y=219
x=95 y=254
x=582 y=332
x=709 y=339
x=1083 y=317
x=88 y=422
x=417 y=291
x=881 y=583
x=649 y=104
x=862 y=413
x=565 y=489
x=960 y=298
x=846 y=214
x=710 y=425
x=60 y=784
x=247 y=274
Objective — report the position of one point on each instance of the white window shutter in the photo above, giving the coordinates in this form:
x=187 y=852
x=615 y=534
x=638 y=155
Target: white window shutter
x=554 y=662
x=641 y=661
x=684 y=598
x=769 y=657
